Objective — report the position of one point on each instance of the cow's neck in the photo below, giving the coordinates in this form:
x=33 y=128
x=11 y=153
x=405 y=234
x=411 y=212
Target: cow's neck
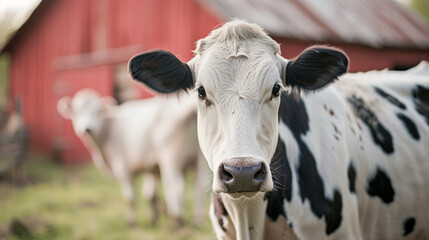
x=94 y=141
x=248 y=216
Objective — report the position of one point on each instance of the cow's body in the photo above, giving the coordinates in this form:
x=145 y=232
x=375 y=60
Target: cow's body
x=154 y=136
x=345 y=162
x=369 y=185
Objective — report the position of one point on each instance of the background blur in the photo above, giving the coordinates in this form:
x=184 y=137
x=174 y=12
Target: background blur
x=53 y=48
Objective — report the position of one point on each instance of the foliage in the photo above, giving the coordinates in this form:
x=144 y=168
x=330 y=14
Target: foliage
x=77 y=202
x=421 y=6
x=4 y=70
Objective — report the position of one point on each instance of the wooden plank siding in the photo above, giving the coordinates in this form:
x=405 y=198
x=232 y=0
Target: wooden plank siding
x=362 y=58
x=67 y=45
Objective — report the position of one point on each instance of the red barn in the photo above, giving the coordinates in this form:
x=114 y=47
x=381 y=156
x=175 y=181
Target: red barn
x=67 y=45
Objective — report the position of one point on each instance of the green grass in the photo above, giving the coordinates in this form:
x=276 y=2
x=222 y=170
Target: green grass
x=58 y=202
x=4 y=79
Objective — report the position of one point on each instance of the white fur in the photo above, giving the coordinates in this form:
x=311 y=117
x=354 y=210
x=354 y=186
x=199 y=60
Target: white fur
x=139 y=136
x=238 y=65
x=239 y=99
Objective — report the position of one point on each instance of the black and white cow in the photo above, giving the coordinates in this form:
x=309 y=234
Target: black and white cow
x=350 y=161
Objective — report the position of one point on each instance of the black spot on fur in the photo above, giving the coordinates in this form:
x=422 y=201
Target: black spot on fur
x=409 y=125
x=161 y=71
x=351 y=173
x=316 y=67
x=390 y=98
x=409 y=224
x=381 y=186
x=421 y=101
x=380 y=135
x=219 y=210
x=282 y=177
x=293 y=113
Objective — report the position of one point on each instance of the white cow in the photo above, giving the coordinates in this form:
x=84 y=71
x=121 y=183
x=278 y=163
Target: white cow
x=151 y=136
x=346 y=162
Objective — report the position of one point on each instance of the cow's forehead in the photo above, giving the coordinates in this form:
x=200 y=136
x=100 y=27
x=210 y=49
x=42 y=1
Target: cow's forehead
x=237 y=57
x=242 y=75
x=236 y=36
x=85 y=100
x=247 y=66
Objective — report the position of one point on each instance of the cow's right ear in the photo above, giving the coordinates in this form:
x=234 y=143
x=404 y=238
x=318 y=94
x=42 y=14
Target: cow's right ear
x=316 y=67
x=64 y=107
x=161 y=71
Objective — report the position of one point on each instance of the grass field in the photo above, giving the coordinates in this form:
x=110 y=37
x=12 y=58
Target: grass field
x=58 y=202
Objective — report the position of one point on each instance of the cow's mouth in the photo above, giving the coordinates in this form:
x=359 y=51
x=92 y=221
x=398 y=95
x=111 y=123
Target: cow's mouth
x=244 y=195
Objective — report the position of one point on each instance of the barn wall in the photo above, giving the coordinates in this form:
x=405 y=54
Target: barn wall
x=32 y=76
x=65 y=142
x=81 y=27
x=159 y=24
x=362 y=58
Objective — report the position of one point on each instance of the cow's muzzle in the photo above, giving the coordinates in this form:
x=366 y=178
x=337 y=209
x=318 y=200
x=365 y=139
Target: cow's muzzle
x=88 y=131
x=242 y=175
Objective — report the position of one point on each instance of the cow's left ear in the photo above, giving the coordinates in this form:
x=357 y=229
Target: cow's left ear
x=316 y=67
x=161 y=71
x=64 y=107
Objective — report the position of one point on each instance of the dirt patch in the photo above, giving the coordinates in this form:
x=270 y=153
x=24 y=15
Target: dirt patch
x=89 y=204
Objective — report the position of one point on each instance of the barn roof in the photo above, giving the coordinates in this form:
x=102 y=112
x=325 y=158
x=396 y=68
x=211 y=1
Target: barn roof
x=37 y=13
x=380 y=23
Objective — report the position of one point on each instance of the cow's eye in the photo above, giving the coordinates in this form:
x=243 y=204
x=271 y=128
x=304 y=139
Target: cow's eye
x=202 y=93
x=276 y=90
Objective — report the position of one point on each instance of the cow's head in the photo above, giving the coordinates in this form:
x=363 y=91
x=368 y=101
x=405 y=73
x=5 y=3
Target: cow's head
x=238 y=75
x=84 y=110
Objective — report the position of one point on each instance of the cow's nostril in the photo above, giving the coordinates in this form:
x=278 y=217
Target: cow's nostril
x=261 y=174
x=242 y=177
x=224 y=175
